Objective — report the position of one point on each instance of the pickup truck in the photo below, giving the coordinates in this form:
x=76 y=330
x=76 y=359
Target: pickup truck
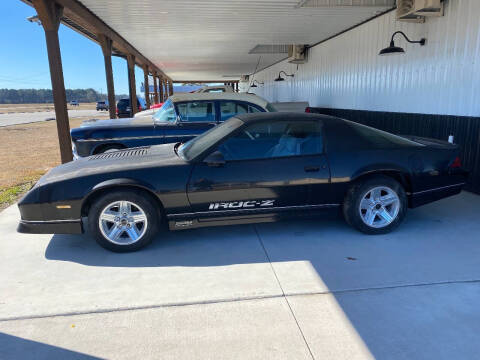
x=102 y=105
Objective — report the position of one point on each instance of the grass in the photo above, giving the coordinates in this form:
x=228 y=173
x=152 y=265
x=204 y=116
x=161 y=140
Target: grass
x=27 y=151
x=11 y=194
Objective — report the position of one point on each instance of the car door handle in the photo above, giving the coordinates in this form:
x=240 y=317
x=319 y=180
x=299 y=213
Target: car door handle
x=311 y=168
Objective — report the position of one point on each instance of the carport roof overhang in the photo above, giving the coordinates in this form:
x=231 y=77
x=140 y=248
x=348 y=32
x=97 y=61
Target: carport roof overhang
x=211 y=39
x=79 y=18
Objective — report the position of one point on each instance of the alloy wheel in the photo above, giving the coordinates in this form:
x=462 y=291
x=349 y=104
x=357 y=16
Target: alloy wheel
x=379 y=207
x=123 y=222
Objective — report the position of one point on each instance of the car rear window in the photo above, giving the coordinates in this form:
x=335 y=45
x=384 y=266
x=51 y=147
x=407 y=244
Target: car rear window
x=379 y=138
x=232 y=108
x=123 y=103
x=271 y=108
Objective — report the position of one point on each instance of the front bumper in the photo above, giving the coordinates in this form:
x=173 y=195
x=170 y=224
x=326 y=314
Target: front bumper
x=50 y=227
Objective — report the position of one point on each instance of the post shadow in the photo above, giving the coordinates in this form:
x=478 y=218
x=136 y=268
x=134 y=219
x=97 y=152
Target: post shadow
x=14 y=347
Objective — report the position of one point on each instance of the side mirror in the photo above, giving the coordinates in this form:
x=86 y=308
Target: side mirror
x=215 y=159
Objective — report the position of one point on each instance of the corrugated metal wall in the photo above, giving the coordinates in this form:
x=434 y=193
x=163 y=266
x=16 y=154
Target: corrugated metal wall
x=345 y=72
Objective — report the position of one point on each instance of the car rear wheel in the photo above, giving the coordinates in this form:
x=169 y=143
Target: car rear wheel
x=375 y=206
x=123 y=221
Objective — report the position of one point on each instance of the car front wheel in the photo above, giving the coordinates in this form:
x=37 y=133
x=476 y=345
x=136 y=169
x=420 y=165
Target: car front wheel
x=123 y=221
x=375 y=206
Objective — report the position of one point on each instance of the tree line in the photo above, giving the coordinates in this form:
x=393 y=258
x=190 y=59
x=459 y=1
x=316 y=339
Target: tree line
x=42 y=96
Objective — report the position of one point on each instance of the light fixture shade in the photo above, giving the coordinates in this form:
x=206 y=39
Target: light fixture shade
x=395 y=50
x=391 y=50
x=253 y=85
x=279 y=78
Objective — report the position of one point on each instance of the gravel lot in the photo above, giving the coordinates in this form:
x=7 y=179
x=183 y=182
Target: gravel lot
x=29 y=150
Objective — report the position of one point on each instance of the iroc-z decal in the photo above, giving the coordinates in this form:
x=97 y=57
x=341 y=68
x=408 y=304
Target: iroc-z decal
x=241 y=204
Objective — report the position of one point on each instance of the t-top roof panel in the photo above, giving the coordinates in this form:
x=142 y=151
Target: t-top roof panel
x=208 y=39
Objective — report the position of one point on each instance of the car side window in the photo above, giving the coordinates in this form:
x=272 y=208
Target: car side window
x=166 y=114
x=274 y=139
x=232 y=108
x=197 y=111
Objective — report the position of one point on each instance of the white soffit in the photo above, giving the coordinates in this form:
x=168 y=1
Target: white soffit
x=207 y=39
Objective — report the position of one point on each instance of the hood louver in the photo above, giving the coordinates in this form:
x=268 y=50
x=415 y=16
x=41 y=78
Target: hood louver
x=121 y=154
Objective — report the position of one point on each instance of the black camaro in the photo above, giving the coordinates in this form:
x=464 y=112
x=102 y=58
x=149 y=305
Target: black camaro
x=251 y=168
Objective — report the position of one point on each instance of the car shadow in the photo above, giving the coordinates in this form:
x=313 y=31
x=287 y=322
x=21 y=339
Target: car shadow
x=426 y=230
x=436 y=244
x=216 y=246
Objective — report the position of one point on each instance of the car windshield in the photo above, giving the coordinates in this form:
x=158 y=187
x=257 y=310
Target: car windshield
x=191 y=149
x=166 y=114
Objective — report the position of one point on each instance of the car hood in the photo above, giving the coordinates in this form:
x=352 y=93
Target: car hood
x=141 y=120
x=116 y=161
x=146 y=113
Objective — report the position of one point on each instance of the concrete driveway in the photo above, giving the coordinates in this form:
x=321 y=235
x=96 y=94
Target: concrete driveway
x=301 y=289
x=30 y=117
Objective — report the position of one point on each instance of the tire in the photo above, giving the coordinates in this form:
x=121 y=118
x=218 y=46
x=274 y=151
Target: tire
x=115 y=231
x=376 y=205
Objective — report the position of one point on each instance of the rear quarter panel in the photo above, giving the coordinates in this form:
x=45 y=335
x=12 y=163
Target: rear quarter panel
x=424 y=167
x=346 y=167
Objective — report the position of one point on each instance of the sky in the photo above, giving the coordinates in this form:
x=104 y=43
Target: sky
x=24 y=61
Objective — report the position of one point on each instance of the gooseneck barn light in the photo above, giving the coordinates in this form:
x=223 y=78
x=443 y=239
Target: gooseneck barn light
x=255 y=81
x=280 y=78
x=394 y=50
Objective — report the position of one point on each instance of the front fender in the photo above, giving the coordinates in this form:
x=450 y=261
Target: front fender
x=121 y=182
x=112 y=183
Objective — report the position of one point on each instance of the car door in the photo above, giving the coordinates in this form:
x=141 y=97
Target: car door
x=193 y=118
x=269 y=168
